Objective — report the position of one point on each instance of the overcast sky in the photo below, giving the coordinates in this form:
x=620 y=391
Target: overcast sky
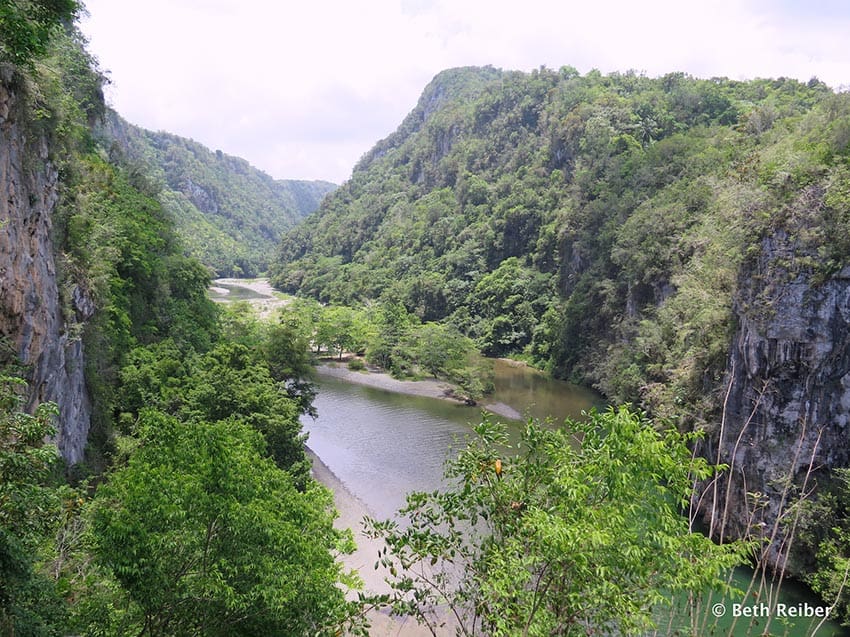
x=303 y=89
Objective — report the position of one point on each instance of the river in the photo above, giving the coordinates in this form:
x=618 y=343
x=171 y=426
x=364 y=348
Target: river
x=382 y=445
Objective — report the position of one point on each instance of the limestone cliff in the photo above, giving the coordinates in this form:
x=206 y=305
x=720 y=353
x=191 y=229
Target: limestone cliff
x=33 y=318
x=787 y=405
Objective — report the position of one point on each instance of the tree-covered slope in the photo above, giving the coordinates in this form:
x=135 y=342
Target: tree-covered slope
x=229 y=214
x=549 y=213
x=679 y=243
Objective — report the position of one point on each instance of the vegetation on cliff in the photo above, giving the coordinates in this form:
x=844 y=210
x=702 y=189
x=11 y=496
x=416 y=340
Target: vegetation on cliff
x=30 y=509
x=228 y=214
x=594 y=224
x=235 y=538
x=617 y=230
x=26 y=28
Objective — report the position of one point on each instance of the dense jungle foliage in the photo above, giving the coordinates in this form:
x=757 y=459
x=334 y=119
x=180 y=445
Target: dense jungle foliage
x=228 y=214
x=595 y=225
x=390 y=338
x=195 y=513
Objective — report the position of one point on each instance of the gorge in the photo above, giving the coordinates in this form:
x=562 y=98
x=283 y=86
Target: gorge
x=677 y=244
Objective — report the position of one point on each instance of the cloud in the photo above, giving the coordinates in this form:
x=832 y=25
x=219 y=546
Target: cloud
x=305 y=89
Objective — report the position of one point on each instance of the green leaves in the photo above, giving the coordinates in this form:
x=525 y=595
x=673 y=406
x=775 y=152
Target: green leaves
x=231 y=383
x=577 y=529
x=509 y=302
x=30 y=509
x=209 y=537
x=26 y=27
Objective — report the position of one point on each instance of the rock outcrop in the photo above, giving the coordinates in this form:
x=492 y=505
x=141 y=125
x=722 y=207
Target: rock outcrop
x=786 y=417
x=34 y=321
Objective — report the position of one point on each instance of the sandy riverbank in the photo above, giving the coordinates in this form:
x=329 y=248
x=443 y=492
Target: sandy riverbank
x=268 y=299
x=260 y=286
x=429 y=387
x=352 y=510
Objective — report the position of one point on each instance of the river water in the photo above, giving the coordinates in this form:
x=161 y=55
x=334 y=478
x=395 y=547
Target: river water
x=382 y=445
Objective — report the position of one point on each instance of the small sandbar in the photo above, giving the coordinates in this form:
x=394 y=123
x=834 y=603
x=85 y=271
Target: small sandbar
x=429 y=387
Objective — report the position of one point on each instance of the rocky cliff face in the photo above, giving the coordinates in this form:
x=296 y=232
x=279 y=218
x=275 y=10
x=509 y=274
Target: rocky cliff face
x=787 y=406
x=33 y=318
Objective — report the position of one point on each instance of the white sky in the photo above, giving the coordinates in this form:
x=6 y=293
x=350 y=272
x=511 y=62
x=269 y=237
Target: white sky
x=303 y=89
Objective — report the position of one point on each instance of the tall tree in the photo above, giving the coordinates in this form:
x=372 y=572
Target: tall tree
x=208 y=537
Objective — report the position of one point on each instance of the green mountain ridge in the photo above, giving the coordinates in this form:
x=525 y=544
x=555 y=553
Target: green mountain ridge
x=228 y=214
x=675 y=242
x=565 y=183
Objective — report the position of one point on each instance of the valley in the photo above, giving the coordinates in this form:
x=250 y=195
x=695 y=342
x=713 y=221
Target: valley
x=576 y=344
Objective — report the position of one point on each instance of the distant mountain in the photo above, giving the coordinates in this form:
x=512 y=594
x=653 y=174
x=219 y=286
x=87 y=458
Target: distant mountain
x=679 y=243
x=229 y=214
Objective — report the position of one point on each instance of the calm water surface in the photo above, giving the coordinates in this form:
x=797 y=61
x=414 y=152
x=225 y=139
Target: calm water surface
x=536 y=395
x=382 y=445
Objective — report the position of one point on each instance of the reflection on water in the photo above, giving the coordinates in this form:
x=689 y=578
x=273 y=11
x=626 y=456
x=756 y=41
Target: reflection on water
x=382 y=445
x=535 y=395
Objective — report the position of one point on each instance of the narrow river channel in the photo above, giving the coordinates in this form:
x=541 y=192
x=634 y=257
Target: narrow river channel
x=381 y=445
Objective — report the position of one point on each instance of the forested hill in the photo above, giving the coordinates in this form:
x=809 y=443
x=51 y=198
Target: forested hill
x=549 y=213
x=229 y=214
x=676 y=242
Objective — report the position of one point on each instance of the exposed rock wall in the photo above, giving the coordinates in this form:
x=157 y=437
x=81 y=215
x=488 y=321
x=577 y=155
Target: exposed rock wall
x=31 y=310
x=787 y=407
